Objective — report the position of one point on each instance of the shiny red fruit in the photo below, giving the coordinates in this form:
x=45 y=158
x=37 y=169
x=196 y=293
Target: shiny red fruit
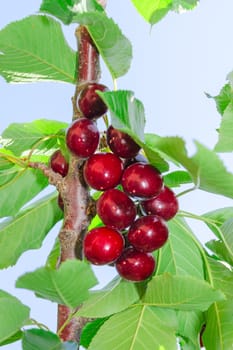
x=164 y=205
x=90 y=103
x=58 y=163
x=148 y=233
x=134 y=265
x=142 y=180
x=103 y=245
x=82 y=137
x=116 y=209
x=121 y=143
x=103 y=171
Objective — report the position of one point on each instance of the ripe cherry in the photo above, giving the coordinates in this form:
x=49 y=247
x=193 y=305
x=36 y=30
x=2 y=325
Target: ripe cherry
x=82 y=137
x=121 y=143
x=134 y=265
x=90 y=103
x=142 y=180
x=103 y=245
x=58 y=163
x=103 y=171
x=164 y=205
x=148 y=233
x=116 y=209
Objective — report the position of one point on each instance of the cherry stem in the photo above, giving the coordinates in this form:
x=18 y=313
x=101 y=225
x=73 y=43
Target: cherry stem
x=78 y=205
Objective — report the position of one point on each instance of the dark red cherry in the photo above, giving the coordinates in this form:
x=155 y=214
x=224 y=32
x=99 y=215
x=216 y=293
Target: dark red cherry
x=103 y=245
x=58 y=163
x=138 y=159
x=134 y=265
x=164 y=205
x=116 y=209
x=90 y=103
x=103 y=171
x=148 y=233
x=142 y=180
x=82 y=137
x=121 y=143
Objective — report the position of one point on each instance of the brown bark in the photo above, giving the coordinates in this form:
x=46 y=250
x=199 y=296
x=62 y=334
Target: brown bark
x=78 y=206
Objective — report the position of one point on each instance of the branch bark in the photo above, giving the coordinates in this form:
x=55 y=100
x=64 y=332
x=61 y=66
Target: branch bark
x=78 y=205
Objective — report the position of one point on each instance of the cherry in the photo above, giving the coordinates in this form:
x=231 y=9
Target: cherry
x=134 y=265
x=103 y=171
x=90 y=103
x=148 y=233
x=82 y=137
x=116 y=209
x=138 y=159
x=121 y=143
x=58 y=163
x=141 y=180
x=164 y=205
x=103 y=245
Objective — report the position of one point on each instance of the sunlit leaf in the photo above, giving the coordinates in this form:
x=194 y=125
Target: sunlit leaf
x=115 y=297
x=34 y=49
x=153 y=10
x=13 y=316
x=63 y=285
x=65 y=10
x=177 y=178
x=181 y=293
x=135 y=329
x=27 y=230
x=114 y=48
x=225 y=140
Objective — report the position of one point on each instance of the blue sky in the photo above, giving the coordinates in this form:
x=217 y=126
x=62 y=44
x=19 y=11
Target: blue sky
x=174 y=64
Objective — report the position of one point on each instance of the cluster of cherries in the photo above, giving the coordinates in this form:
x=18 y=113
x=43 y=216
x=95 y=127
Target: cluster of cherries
x=134 y=205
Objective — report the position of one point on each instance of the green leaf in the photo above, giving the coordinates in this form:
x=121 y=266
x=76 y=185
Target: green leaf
x=114 y=48
x=216 y=218
x=65 y=10
x=181 y=293
x=224 y=98
x=225 y=140
x=115 y=297
x=219 y=249
x=63 y=285
x=13 y=316
x=180 y=255
x=181 y=5
x=153 y=10
x=54 y=255
x=38 y=339
x=137 y=328
x=218 y=334
x=15 y=337
x=213 y=175
x=23 y=185
x=26 y=54
x=177 y=178
x=127 y=112
x=172 y=149
x=27 y=229
x=222 y=277
x=42 y=134
x=190 y=323
x=90 y=330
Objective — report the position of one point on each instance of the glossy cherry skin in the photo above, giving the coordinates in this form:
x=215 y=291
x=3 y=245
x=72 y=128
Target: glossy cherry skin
x=134 y=265
x=90 y=103
x=103 y=245
x=116 y=209
x=121 y=143
x=58 y=163
x=82 y=137
x=148 y=233
x=142 y=180
x=165 y=204
x=103 y=171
